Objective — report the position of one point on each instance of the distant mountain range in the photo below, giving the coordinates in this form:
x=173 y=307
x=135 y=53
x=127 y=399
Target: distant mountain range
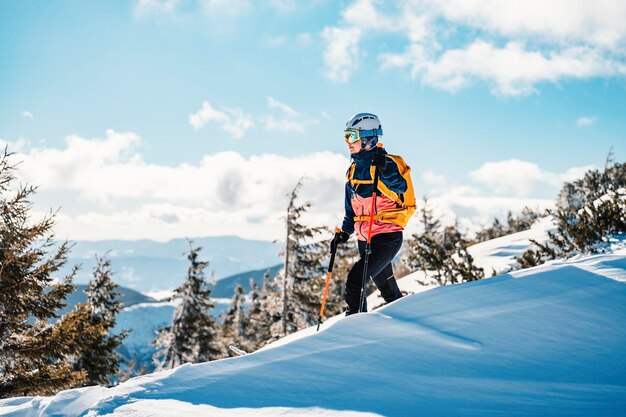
x=224 y=288
x=147 y=266
x=127 y=296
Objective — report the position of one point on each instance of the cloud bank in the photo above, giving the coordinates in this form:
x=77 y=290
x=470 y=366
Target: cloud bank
x=106 y=190
x=509 y=45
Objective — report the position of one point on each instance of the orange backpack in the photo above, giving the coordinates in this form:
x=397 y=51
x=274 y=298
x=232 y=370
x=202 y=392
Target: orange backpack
x=405 y=201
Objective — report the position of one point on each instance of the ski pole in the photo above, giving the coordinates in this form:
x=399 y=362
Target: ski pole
x=328 y=274
x=368 y=246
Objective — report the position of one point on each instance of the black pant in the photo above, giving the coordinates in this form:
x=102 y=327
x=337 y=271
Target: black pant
x=383 y=249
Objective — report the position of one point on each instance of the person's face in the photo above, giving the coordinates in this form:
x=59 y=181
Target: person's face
x=355 y=147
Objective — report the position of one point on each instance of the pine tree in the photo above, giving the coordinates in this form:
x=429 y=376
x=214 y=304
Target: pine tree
x=429 y=222
x=428 y=254
x=591 y=211
x=514 y=224
x=236 y=322
x=461 y=267
x=36 y=351
x=264 y=314
x=441 y=254
x=495 y=230
x=587 y=230
x=577 y=194
x=415 y=252
x=301 y=291
x=101 y=360
x=256 y=327
x=192 y=336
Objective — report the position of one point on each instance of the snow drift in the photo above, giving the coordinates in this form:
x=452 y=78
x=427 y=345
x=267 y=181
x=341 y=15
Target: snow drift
x=546 y=341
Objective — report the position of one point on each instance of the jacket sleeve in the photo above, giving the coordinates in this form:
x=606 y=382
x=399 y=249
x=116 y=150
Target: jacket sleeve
x=348 y=220
x=390 y=176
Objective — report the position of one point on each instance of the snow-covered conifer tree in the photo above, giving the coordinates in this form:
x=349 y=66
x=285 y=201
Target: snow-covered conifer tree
x=235 y=325
x=36 y=351
x=591 y=213
x=193 y=335
x=264 y=314
x=441 y=254
x=418 y=255
x=301 y=293
x=100 y=360
x=429 y=222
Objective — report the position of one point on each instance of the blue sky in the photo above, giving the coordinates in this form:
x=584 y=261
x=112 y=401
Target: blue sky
x=492 y=107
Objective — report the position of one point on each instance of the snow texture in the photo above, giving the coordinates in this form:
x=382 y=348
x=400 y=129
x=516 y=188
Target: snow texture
x=546 y=341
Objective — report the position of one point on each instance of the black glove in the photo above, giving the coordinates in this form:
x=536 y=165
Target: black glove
x=340 y=237
x=379 y=161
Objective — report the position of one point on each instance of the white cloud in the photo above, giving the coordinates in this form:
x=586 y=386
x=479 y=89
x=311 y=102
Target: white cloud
x=363 y=13
x=287 y=119
x=27 y=115
x=15 y=146
x=234 y=121
x=513 y=70
x=76 y=168
x=474 y=209
x=511 y=46
x=586 y=121
x=342 y=52
x=429 y=177
x=521 y=178
x=285 y=108
x=107 y=190
x=281 y=117
x=600 y=22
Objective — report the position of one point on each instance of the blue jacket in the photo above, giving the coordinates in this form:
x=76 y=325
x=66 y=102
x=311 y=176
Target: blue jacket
x=358 y=197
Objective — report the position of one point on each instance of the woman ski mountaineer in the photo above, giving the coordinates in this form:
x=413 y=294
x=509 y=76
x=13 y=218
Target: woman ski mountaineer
x=394 y=203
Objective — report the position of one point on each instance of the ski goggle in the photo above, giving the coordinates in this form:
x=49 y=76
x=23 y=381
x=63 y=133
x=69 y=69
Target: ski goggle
x=351 y=135
x=355 y=135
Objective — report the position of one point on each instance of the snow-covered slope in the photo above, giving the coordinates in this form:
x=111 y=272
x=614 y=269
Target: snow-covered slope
x=497 y=255
x=547 y=341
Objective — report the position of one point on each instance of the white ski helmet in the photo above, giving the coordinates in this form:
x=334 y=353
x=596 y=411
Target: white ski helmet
x=368 y=126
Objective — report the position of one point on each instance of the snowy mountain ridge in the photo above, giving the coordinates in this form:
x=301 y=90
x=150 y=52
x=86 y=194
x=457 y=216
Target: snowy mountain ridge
x=545 y=341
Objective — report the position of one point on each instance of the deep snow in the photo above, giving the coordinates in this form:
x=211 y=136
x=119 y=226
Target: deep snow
x=546 y=341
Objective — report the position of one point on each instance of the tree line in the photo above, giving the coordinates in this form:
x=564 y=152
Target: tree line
x=590 y=216
x=42 y=353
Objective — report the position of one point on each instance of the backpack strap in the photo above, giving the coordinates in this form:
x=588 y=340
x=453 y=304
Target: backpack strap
x=405 y=201
x=357 y=181
x=381 y=186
